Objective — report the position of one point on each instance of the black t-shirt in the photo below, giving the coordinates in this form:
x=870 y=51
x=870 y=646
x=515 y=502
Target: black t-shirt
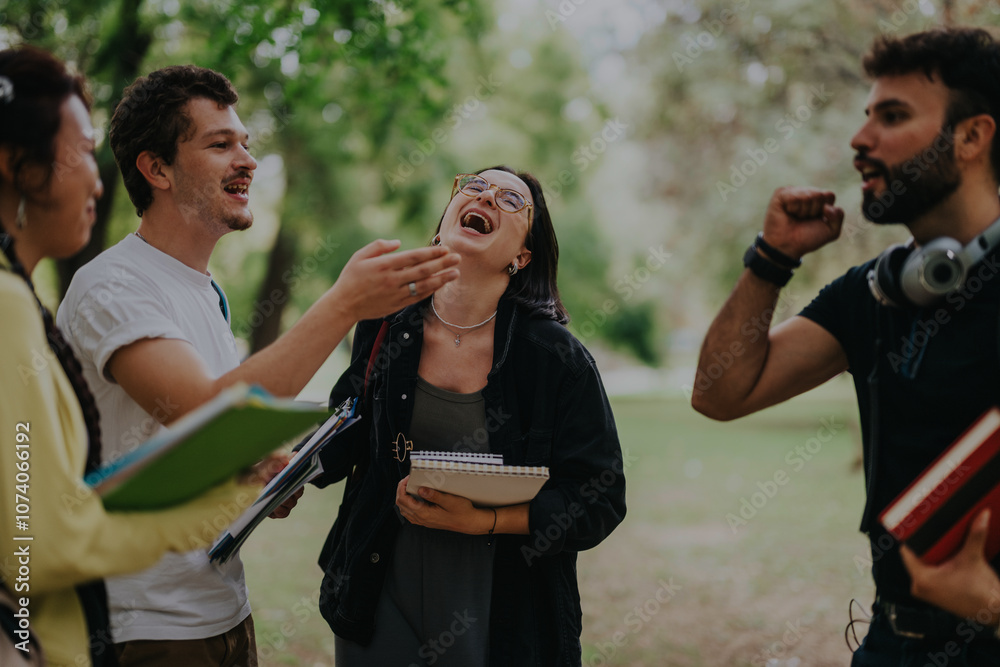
x=937 y=371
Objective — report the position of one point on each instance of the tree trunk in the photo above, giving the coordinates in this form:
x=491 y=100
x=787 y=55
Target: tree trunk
x=273 y=294
x=122 y=55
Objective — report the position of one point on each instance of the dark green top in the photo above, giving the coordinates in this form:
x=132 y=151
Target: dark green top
x=438 y=576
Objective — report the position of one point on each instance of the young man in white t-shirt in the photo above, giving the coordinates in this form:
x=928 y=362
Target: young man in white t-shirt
x=152 y=331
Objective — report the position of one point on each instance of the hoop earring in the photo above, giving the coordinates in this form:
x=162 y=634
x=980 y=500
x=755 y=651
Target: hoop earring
x=22 y=219
x=436 y=240
x=512 y=268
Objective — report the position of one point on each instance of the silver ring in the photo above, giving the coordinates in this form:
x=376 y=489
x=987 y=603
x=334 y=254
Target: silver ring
x=413 y=289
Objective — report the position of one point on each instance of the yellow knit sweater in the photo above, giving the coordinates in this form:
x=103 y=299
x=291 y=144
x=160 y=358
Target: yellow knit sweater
x=72 y=539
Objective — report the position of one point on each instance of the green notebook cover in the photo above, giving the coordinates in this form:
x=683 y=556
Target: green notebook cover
x=202 y=449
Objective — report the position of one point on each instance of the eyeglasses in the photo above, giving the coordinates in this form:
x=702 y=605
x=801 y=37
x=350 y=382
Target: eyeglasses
x=472 y=185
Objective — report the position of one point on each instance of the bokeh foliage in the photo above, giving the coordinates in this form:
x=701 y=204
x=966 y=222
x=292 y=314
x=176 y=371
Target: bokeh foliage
x=372 y=106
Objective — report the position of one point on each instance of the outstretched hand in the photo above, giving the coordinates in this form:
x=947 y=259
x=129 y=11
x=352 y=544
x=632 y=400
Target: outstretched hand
x=965 y=584
x=376 y=281
x=442 y=511
x=802 y=219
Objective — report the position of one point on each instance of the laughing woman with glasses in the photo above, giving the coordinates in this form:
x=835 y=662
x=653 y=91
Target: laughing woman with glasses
x=486 y=365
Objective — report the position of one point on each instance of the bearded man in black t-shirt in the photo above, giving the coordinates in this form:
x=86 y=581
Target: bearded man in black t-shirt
x=917 y=327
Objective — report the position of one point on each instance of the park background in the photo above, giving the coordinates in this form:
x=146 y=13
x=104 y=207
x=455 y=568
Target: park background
x=659 y=128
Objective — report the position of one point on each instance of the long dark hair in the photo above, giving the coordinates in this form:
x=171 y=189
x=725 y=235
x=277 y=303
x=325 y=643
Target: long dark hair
x=534 y=287
x=33 y=86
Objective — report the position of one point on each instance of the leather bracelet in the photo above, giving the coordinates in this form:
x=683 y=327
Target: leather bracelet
x=776 y=255
x=764 y=268
x=489 y=542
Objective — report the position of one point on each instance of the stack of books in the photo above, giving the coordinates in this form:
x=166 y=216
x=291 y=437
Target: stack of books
x=932 y=515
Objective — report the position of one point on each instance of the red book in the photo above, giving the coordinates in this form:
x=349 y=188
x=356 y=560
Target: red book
x=932 y=515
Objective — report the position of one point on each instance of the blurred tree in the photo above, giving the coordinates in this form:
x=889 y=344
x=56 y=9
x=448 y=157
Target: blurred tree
x=106 y=40
x=285 y=58
x=762 y=96
x=372 y=106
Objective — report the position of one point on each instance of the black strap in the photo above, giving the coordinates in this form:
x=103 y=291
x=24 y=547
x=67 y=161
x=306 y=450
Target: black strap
x=94 y=601
x=776 y=255
x=362 y=464
x=765 y=269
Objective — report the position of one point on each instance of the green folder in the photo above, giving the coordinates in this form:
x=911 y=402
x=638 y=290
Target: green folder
x=203 y=449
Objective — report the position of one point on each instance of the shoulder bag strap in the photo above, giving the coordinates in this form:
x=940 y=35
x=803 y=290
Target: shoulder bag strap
x=359 y=467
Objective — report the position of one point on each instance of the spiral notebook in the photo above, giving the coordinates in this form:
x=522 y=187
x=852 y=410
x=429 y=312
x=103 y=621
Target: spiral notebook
x=482 y=478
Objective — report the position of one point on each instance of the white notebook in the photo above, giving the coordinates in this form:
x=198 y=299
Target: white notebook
x=482 y=478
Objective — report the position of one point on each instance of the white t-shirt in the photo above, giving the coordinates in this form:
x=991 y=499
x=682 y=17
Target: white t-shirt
x=129 y=292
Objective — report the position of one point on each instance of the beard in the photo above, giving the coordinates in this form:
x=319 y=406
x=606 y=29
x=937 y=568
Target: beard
x=201 y=201
x=926 y=185
x=238 y=223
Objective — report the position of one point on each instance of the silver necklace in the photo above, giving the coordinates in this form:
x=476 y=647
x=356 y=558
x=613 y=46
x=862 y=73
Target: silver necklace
x=136 y=232
x=450 y=326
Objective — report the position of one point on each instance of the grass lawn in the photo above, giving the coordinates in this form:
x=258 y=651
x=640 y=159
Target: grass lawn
x=740 y=547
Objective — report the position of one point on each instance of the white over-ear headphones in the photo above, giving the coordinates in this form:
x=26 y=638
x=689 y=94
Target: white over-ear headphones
x=905 y=275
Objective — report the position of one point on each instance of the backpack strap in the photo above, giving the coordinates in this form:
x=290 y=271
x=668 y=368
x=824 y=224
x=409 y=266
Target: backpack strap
x=375 y=350
x=362 y=464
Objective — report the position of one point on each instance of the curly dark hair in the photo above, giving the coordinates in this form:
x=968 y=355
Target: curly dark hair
x=967 y=60
x=33 y=87
x=152 y=116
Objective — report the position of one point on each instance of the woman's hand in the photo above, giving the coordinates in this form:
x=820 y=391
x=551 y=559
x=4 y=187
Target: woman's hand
x=965 y=584
x=443 y=511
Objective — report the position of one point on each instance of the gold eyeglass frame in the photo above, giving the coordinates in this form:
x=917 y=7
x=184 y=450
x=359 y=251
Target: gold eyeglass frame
x=490 y=186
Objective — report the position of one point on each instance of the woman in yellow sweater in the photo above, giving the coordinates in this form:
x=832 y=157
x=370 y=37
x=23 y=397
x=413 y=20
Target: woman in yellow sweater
x=56 y=540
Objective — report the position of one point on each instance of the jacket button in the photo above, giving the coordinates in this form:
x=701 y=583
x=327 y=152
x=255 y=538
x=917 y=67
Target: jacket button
x=403 y=397
x=406 y=336
x=374 y=557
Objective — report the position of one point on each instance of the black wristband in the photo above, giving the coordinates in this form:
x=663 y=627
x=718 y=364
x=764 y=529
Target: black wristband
x=765 y=269
x=776 y=255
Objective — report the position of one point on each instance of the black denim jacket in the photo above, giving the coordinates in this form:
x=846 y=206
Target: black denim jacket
x=545 y=405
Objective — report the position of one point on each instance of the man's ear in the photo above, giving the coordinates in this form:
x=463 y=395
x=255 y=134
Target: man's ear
x=974 y=138
x=154 y=169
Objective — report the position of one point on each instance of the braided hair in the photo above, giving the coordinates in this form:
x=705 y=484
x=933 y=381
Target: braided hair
x=70 y=364
x=33 y=85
